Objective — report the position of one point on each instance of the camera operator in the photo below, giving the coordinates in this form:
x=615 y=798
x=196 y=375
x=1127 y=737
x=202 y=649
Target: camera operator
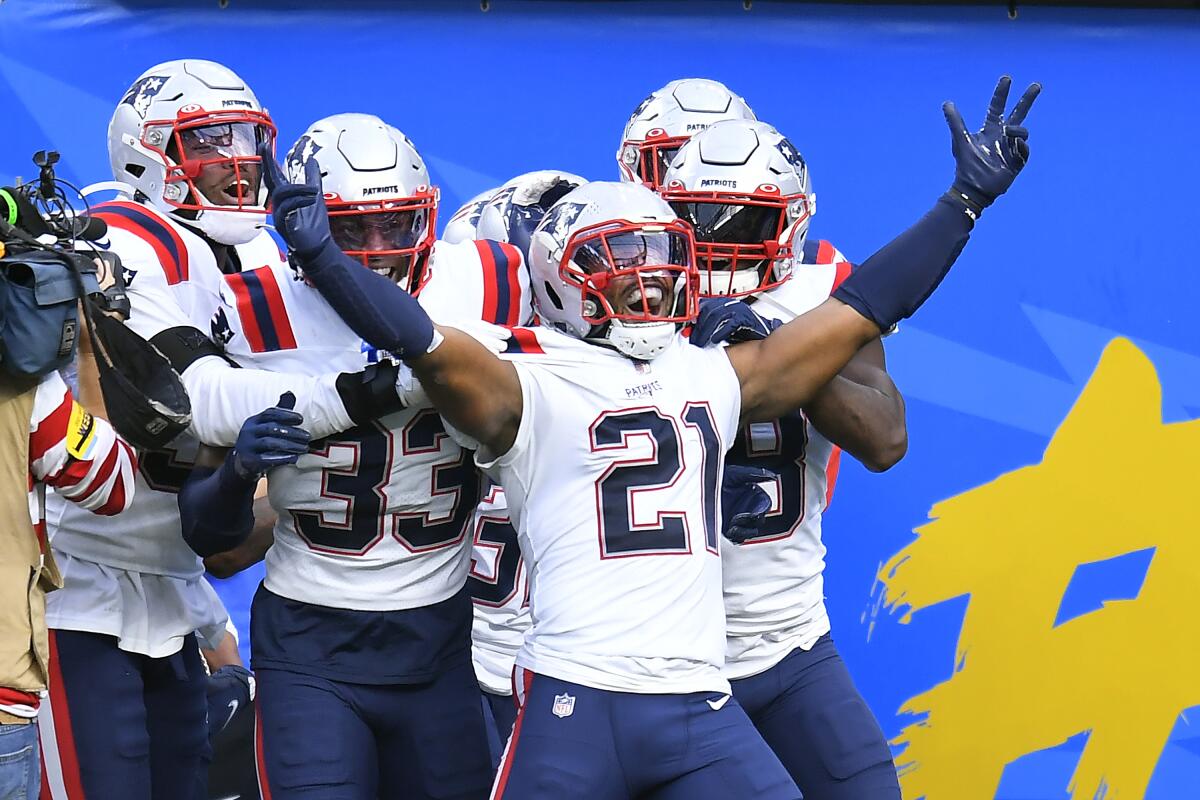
x=46 y=439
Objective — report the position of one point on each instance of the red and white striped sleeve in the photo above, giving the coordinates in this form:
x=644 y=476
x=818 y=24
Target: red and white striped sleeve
x=78 y=454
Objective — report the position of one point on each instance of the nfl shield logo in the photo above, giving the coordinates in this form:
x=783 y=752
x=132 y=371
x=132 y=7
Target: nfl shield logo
x=564 y=705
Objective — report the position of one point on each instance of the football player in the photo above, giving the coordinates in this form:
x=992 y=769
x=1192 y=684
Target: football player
x=622 y=692
x=499 y=581
x=364 y=621
x=666 y=119
x=183 y=138
x=752 y=242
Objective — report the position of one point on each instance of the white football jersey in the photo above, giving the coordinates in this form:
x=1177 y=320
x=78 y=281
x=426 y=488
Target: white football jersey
x=613 y=486
x=499 y=586
x=774 y=593
x=133 y=577
x=173 y=281
x=377 y=518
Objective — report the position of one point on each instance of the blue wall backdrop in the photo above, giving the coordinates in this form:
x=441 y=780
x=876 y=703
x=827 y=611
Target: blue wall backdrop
x=1096 y=240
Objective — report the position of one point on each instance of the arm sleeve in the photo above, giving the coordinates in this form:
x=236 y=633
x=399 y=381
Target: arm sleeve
x=216 y=509
x=78 y=454
x=375 y=308
x=223 y=397
x=894 y=282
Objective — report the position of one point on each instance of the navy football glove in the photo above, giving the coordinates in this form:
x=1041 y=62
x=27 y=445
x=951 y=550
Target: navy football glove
x=724 y=319
x=298 y=209
x=987 y=162
x=269 y=439
x=744 y=504
x=230 y=690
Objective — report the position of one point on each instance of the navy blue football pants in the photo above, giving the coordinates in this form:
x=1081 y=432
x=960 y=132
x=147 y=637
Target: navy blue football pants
x=334 y=740
x=812 y=716
x=123 y=726
x=572 y=741
x=500 y=712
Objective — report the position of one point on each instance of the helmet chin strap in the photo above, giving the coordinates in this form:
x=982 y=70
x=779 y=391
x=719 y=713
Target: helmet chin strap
x=643 y=341
x=229 y=227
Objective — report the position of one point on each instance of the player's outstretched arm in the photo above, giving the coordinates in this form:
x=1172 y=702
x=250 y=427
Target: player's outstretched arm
x=784 y=371
x=478 y=393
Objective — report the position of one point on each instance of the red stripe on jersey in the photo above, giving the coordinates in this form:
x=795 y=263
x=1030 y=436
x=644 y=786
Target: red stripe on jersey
x=51 y=430
x=842 y=271
x=825 y=252
x=491 y=289
x=279 y=317
x=831 y=473
x=63 y=737
x=135 y=219
x=245 y=308
x=526 y=341
x=511 y=750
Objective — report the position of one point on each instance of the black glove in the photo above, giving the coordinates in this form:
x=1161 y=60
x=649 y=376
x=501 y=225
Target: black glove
x=723 y=319
x=987 y=162
x=744 y=504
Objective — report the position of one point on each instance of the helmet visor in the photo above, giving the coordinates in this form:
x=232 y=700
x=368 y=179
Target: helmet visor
x=213 y=162
x=729 y=223
x=635 y=273
x=390 y=237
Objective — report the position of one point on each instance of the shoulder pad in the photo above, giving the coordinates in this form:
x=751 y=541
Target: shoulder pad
x=149 y=226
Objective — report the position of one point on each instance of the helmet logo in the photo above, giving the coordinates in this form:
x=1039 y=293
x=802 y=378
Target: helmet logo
x=722 y=182
x=391 y=189
x=190 y=108
x=559 y=220
x=142 y=92
x=242 y=103
x=791 y=154
x=304 y=149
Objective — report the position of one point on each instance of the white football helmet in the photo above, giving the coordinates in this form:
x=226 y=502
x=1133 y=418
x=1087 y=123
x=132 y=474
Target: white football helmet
x=668 y=118
x=461 y=226
x=515 y=209
x=745 y=190
x=611 y=264
x=382 y=208
x=186 y=137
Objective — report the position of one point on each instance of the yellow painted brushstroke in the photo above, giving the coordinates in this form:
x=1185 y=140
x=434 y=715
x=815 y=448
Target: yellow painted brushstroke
x=1114 y=479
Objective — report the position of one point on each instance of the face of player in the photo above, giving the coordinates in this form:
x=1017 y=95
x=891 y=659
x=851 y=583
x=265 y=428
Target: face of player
x=618 y=264
x=386 y=241
x=224 y=159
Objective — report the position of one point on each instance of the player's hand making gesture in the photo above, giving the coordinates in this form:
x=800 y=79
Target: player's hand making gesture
x=988 y=161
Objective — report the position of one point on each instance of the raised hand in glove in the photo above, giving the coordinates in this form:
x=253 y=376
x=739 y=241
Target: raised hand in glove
x=298 y=209
x=987 y=162
x=269 y=439
x=744 y=504
x=724 y=319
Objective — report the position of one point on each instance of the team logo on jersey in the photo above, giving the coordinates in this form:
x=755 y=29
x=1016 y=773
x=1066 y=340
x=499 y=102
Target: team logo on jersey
x=299 y=155
x=128 y=274
x=142 y=92
x=564 y=705
x=220 y=329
